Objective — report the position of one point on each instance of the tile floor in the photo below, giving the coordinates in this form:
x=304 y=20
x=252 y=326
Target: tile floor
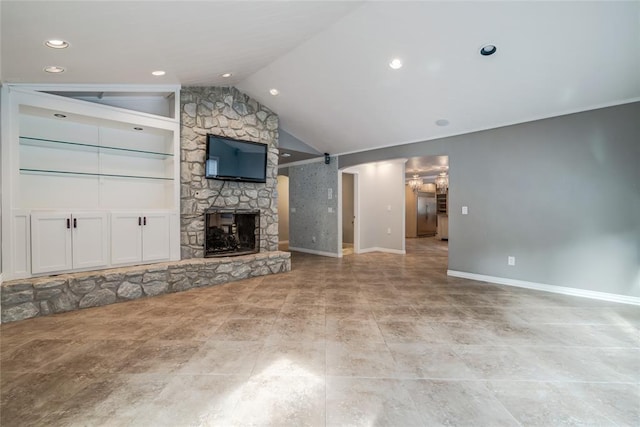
x=373 y=339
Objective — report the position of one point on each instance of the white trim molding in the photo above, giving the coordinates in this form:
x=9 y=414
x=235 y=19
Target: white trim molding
x=385 y=250
x=603 y=296
x=314 y=252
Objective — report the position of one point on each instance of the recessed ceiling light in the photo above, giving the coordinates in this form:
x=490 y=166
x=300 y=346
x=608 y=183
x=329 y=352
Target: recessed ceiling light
x=442 y=122
x=159 y=73
x=54 y=69
x=285 y=155
x=60 y=116
x=225 y=75
x=395 y=64
x=274 y=92
x=488 y=49
x=56 y=44
x=137 y=128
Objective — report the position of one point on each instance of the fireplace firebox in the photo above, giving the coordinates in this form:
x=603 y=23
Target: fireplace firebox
x=230 y=232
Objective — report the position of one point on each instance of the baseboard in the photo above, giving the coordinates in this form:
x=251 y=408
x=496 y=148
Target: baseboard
x=603 y=296
x=386 y=250
x=313 y=252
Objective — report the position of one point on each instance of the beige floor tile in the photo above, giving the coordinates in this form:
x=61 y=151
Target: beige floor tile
x=360 y=359
x=371 y=339
x=458 y=403
x=291 y=358
x=223 y=358
x=369 y=402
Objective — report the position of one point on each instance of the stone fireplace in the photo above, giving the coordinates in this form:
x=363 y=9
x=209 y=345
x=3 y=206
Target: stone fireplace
x=220 y=218
x=227 y=112
x=231 y=232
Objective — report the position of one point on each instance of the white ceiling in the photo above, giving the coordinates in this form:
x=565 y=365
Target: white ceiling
x=330 y=59
x=123 y=41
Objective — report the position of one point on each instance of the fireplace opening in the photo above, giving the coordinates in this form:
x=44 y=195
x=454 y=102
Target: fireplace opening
x=231 y=232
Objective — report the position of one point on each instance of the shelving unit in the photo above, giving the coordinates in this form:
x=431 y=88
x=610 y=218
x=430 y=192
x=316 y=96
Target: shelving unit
x=65 y=157
x=441 y=200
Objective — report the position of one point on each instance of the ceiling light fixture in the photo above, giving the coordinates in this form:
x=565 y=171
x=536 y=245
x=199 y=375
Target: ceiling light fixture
x=56 y=44
x=488 y=49
x=60 y=116
x=274 y=92
x=442 y=182
x=225 y=75
x=285 y=155
x=158 y=73
x=442 y=122
x=415 y=183
x=395 y=64
x=54 y=69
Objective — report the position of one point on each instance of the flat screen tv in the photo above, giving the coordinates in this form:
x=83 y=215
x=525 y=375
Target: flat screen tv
x=235 y=160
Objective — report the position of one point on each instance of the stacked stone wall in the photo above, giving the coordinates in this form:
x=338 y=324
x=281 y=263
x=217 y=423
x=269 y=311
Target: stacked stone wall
x=26 y=298
x=227 y=112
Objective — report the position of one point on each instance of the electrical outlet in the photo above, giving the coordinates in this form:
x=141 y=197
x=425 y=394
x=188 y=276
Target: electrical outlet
x=511 y=260
x=293 y=210
x=330 y=193
x=389 y=208
x=330 y=209
x=388 y=231
x=465 y=210
x=313 y=239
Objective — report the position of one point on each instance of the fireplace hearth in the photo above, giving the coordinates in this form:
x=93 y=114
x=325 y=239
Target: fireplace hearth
x=230 y=232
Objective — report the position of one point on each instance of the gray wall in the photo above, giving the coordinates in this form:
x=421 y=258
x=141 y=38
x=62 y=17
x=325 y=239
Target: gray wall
x=286 y=140
x=561 y=195
x=308 y=194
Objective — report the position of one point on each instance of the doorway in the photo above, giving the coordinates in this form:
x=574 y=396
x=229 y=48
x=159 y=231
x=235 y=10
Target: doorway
x=427 y=205
x=348 y=213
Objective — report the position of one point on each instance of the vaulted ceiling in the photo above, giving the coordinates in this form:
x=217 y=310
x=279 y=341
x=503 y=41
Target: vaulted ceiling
x=330 y=60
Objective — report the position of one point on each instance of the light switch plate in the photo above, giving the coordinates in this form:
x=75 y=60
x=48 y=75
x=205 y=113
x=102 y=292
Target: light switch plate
x=293 y=210
x=330 y=210
x=465 y=210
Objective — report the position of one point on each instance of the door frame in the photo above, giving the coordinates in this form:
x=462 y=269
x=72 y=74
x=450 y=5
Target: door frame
x=356 y=213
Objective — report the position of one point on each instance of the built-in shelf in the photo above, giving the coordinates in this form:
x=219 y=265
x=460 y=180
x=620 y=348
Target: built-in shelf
x=44 y=171
x=40 y=142
x=441 y=203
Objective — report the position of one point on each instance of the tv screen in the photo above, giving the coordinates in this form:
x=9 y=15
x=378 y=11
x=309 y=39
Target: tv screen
x=235 y=160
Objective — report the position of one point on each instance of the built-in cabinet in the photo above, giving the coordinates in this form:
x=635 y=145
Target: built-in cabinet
x=139 y=237
x=98 y=185
x=63 y=241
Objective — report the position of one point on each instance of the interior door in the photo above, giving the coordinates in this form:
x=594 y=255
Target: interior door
x=90 y=239
x=50 y=242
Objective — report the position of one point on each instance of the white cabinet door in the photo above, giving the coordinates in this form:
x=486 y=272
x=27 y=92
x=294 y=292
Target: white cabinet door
x=90 y=239
x=126 y=238
x=50 y=242
x=155 y=237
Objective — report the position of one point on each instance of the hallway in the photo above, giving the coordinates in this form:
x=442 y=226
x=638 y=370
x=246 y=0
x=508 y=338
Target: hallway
x=373 y=339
